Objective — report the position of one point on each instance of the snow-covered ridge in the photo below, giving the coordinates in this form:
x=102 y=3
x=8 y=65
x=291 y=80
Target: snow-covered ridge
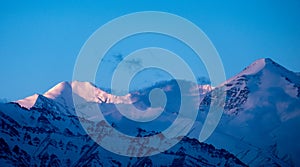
x=261 y=113
x=260 y=65
x=29 y=101
x=63 y=91
x=255 y=67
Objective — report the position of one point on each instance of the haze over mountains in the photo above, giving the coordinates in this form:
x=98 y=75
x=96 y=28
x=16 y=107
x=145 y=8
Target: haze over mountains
x=258 y=127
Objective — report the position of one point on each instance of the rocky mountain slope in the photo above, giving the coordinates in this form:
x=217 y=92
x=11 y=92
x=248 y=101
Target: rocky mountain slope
x=41 y=137
x=259 y=124
x=261 y=115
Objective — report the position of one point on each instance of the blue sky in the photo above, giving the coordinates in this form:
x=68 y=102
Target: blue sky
x=40 y=40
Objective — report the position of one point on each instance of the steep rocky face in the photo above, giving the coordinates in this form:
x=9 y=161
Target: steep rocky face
x=50 y=138
x=261 y=110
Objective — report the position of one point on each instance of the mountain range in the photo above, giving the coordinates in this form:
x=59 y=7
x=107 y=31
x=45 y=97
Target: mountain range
x=259 y=125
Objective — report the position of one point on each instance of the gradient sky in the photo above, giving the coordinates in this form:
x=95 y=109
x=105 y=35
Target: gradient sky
x=40 y=40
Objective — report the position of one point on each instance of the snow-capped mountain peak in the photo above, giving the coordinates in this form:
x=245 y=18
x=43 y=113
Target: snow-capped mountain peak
x=262 y=100
x=91 y=93
x=62 y=93
x=29 y=101
x=255 y=67
x=265 y=64
x=259 y=124
x=58 y=90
